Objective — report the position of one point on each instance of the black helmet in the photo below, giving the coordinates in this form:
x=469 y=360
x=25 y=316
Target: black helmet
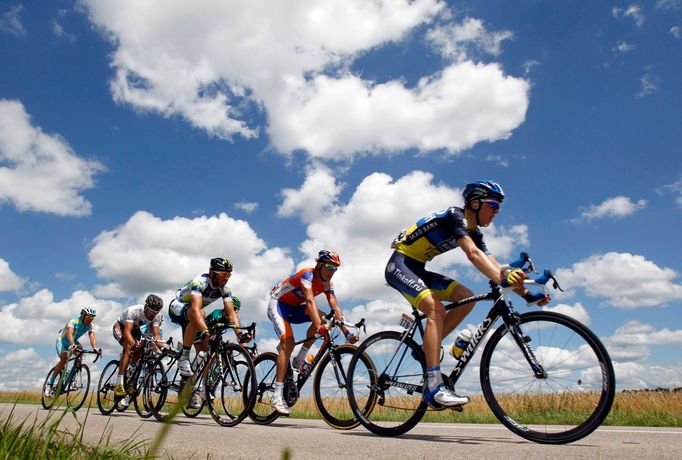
x=482 y=189
x=221 y=264
x=153 y=302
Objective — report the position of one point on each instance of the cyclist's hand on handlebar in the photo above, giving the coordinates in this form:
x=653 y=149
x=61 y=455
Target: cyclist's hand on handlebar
x=513 y=278
x=322 y=331
x=536 y=298
x=351 y=337
x=244 y=337
x=99 y=351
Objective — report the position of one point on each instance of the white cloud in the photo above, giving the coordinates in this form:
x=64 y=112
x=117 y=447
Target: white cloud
x=149 y=254
x=363 y=228
x=636 y=376
x=624 y=47
x=616 y=207
x=317 y=193
x=669 y=5
x=214 y=62
x=672 y=189
x=624 y=280
x=246 y=206
x=40 y=172
x=22 y=370
x=9 y=281
x=460 y=41
x=11 y=23
x=633 y=12
x=676 y=31
x=649 y=84
x=576 y=311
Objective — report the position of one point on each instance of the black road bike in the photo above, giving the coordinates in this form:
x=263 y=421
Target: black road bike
x=545 y=376
x=329 y=384
x=74 y=381
x=229 y=373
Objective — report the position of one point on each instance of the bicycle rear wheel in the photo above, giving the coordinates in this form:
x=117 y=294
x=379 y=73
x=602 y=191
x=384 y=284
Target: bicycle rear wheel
x=48 y=401
x=229 y=392
x=330 y=388
x=391 y=371
x=78 y=388
x=163 y=386
x=565 y=403
x=265 y=368
x=106 y=387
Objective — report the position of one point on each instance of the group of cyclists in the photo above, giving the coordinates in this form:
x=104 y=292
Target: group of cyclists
x=292 y=301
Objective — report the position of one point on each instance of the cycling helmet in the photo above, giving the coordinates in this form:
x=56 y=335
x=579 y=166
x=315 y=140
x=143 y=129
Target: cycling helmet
x=89 y=311
x=482 y=189
x=331 y=257
x=153 y=302
x=237 y=303
x=221 y=264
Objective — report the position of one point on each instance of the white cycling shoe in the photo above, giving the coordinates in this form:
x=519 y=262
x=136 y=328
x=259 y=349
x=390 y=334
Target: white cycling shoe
x=49 y=391
x=185 y=368
x=280 y=406
x=196 y=401
x=443 y=396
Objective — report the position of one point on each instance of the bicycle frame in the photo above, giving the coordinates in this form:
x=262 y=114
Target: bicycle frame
x=76 y=361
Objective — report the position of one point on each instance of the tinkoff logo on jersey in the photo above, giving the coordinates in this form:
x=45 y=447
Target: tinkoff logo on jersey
x=417 y=285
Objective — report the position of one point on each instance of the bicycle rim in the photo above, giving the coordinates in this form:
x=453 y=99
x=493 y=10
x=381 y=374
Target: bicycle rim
x=228 y=393
x=78 y=388
x=567 y=404
x=330 y=388
x=390 y=381
x=161 y=388
x=265 y=368
x=48 y=401
x=139 y=400
x=106 y=386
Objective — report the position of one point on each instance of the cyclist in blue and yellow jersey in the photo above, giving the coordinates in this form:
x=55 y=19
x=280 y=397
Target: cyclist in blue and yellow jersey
x=293 y=302
x=186 y=309
x=433 y=235
x=67 y=341
x=127 y=331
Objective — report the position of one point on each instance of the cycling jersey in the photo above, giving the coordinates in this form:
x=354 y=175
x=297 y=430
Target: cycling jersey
x=289 y=291
x=135 y=315
x=203 y=286
x=435 y=234
x=79 y=328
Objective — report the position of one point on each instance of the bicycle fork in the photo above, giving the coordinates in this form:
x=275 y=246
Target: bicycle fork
x=523 y=341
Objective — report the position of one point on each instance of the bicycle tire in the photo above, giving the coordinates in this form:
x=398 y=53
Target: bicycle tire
x=161 y=390
x=139 y=400
x=575 y=395
x=106 y=386
x=192 y=412
x=48 y=402
x=400 y=403
x=265 y=368
x=330 y=388
x=229 y=394
x=78 y=389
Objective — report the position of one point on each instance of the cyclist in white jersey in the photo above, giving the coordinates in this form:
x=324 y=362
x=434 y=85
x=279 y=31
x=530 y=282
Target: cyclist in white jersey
x=127 y=331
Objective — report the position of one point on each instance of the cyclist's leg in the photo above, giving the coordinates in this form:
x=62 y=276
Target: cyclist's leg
x=456 y=315
x=277 y=312
x=178 y=313
x=62 y=352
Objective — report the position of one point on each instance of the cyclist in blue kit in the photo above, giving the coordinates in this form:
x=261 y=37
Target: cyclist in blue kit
x=431 y=236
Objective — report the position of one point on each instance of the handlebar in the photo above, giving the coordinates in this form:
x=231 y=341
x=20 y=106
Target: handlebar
x=93 y=352
x=525 y=263
x=219 y=328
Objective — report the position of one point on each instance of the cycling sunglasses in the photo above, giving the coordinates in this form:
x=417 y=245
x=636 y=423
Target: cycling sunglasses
x=494 y=205
x=331 y=267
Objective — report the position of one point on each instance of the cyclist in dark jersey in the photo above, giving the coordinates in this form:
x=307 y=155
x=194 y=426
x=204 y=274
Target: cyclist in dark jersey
x=431 y=236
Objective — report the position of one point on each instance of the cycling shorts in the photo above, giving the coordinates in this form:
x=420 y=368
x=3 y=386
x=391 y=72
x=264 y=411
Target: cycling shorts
x=62 y=345
x=117 y=331
x=411 y=278
x=284 y=315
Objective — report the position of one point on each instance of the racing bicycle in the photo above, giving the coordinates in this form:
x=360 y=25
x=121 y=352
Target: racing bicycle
x=329 y=384
x=545 y=376
x=74 y=381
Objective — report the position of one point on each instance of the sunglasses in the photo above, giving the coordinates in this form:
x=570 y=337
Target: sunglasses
x=331 y=267
x=494 y=205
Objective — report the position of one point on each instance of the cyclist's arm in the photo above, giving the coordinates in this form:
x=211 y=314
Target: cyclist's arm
x=156 y=333
x=484 y=263
x=69 y=335
x=310 y=306
x=230 y=312
x=338 y=313
x=519 y=290
x=93 y=339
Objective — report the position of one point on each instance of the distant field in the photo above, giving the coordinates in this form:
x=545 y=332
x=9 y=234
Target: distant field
x=642 y=408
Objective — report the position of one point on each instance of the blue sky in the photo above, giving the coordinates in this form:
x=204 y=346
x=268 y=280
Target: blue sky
x=140 y=139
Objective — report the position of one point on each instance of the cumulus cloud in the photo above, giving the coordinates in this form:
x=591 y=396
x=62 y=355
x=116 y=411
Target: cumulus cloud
x=633 y=12
x=616 y=207
x=676 y=31
x=318 y=192
x=11 y=23
x=576 y=311
x=246 y=206
x=214 y=63
x=624 y=280
x=674 y=189
x=460 y=41
x=363 y=227
x=22 y=370
x=149 y=254
x=38 y=171
x=9 y=281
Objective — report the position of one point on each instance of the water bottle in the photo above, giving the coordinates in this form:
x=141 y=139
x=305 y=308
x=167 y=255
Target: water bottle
x=201 y=357
x=461 y=343
x=307 y=364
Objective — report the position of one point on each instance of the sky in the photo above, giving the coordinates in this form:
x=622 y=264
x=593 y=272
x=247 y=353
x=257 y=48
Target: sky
x=140 y=139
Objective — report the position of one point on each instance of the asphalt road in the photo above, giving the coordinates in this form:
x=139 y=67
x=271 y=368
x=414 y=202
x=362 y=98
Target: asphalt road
x=313 y=439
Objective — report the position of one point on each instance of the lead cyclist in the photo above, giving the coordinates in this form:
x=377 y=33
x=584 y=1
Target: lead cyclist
x=431 y=236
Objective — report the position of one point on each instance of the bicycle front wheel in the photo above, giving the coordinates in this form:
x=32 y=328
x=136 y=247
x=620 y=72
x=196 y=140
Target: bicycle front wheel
x=106 y=387
x=231 y=381
x=330 y=388
x=49 y=395
x=78 y=388
x=139 y=400
x=565 y=400
x=265 y=368
x=388 y=375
